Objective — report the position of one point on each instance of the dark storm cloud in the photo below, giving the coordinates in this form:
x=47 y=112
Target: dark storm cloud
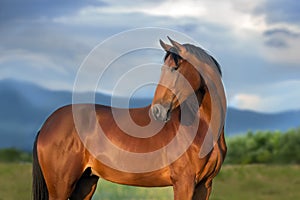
x=281 y=31
x=277 y=43
x=277 y=11
x=45 y=41
x=30 y=9
x=277 y=37
x=30 y=40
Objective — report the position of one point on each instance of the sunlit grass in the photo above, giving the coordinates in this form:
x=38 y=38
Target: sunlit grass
x=260 y=182
x=111 y=191
x=15 y=181
x=235 y=182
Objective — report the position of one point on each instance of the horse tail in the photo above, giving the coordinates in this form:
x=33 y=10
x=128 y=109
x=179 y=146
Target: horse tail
x=39 y=187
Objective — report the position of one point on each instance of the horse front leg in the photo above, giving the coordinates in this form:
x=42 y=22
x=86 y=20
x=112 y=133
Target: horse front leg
x=203 y=190
x=183 y=187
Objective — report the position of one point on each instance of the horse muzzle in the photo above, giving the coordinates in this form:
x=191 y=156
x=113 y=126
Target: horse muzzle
x=161 y=113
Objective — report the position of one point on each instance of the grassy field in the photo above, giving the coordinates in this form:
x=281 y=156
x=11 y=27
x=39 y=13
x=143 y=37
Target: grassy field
x=15 y=181
x=260 y=182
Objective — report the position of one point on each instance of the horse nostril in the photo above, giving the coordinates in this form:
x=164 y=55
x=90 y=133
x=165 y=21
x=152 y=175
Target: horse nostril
x=159 y=112
x=155 y=111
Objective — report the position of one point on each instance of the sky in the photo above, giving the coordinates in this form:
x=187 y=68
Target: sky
x=256 y=42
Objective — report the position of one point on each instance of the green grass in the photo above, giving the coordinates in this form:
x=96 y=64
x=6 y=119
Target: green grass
x=260 y=182
x=15 y=181
x=111 y=191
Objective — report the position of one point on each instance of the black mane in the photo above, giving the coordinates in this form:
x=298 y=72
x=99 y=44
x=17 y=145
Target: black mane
x=203 y=56
x=200 y=53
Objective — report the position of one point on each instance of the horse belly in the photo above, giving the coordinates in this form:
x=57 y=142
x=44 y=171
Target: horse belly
x=158 y=178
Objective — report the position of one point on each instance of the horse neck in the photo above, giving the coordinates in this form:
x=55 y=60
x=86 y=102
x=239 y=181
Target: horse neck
x=204 y=100
x=191 y=110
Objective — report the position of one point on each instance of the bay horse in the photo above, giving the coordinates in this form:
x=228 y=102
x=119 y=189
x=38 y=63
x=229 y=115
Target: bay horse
x=188 y=107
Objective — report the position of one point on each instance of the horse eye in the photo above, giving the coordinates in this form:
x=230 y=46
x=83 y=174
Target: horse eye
x=174 y=68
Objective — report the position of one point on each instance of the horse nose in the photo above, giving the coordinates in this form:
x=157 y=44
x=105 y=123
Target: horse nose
x=159 y=112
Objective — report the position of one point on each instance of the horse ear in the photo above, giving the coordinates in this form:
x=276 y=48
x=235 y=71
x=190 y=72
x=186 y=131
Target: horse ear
x=179 y=47
x=165 y=46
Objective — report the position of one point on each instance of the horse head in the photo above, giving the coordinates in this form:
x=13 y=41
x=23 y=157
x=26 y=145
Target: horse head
x=189 y=71
x=178 y=81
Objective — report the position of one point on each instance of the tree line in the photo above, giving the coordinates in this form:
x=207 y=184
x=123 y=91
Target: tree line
x=264 y=147
x=9 y=155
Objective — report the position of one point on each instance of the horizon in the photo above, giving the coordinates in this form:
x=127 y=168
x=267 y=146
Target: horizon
x=138 y=98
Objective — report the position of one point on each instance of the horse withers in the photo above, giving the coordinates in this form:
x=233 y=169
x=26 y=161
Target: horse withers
x=185 y=149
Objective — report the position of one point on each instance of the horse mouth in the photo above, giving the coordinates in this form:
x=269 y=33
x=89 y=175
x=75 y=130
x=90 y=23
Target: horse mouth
x=161 y=113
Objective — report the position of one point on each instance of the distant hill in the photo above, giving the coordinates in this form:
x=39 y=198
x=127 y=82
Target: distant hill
x=25 y=106
x=241 y=121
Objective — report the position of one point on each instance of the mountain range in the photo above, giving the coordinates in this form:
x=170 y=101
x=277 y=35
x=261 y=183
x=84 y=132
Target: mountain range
x=25 y=106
